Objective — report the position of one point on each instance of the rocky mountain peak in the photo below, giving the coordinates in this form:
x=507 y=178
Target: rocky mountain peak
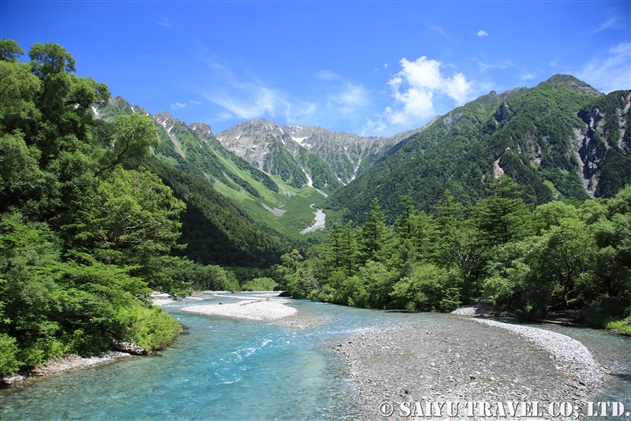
x=200 y=128
x=166 y=120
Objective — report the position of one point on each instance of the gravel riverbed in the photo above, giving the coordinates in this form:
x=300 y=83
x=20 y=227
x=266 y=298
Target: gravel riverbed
x=262 y=309
x=429 y=361
x=571 y=355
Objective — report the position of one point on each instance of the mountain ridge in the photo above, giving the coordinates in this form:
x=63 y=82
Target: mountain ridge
x=530 y=134
x=546 y=137
x=347 y=155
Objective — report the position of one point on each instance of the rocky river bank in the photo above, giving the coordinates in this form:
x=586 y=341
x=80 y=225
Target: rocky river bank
x=63 y=364
x=424 y=362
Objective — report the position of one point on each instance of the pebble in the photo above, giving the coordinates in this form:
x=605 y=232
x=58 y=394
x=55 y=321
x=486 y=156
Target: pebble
x=412 y=362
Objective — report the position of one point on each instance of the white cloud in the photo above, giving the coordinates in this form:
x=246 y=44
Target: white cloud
x=349 y=98
x=499 y=65
x=482 y=33
x=418 y=85
x=251 y=100
x=385 y=66
x=374 y=127
x=527 y=76
x=327 y=75
x=611 y=72
x=610 y=23
x=438 y=29
x=178 y=105
x=246 y=97
x=259 y=101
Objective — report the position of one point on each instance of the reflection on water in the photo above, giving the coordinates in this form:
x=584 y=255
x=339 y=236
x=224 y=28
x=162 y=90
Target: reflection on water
x=239 y=369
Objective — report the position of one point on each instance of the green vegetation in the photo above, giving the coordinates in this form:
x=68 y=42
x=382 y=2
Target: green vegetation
x=97 y=213
x=623 y=327
x=528 y=262
x=85 y=231
x=259 y=284
x=550 y=140
x=279 y=162
x=214 y=229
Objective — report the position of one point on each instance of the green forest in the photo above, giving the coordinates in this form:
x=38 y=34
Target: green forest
x=88 y=227
x=527 y=261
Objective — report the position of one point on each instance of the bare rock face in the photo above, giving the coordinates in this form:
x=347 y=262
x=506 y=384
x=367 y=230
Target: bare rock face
x=201 y=128
x=166 y=120
x=347 y=155
x=130 y=348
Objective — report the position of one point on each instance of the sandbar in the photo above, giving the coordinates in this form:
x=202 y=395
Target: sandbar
x=247 y=309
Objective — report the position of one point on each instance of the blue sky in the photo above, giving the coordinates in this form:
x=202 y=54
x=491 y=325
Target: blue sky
x=369 y=68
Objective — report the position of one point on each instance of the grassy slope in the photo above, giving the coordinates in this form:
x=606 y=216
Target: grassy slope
x=295 y=202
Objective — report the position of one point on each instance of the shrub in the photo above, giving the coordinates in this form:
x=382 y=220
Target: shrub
x=9 y=362
x=149 y=327
x=259 y=284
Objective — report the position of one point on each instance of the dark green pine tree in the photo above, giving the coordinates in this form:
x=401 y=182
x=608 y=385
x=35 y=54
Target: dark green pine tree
x=375 y=236
x=407 y=239
x=503 y=216
x=406 y=224
x=343 y=247
x=447 y=237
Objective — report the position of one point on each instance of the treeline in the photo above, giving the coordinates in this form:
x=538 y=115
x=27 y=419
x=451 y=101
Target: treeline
x=557 y=256
x=86 y=230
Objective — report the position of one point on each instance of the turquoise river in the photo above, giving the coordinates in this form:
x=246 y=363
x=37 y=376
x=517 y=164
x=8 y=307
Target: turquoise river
x=236 y=369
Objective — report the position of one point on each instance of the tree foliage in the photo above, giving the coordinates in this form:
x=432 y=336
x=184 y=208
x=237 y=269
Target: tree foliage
x=85 y=232
x=558 y=256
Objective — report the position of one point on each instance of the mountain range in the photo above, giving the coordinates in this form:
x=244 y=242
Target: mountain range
x=346 y=155
x=276 y=174
x=559 y=140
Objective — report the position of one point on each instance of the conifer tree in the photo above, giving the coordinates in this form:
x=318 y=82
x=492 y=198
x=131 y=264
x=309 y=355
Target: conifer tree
x=343 y=246
x=375 y=236
x=503 y=216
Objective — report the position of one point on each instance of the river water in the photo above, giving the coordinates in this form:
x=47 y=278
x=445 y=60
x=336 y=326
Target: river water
x=233 y=369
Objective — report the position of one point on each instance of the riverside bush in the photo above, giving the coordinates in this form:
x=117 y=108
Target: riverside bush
x=9 y=362
x=607 y=312
x=623 y=326
x=259 y=284
x=149 y=327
